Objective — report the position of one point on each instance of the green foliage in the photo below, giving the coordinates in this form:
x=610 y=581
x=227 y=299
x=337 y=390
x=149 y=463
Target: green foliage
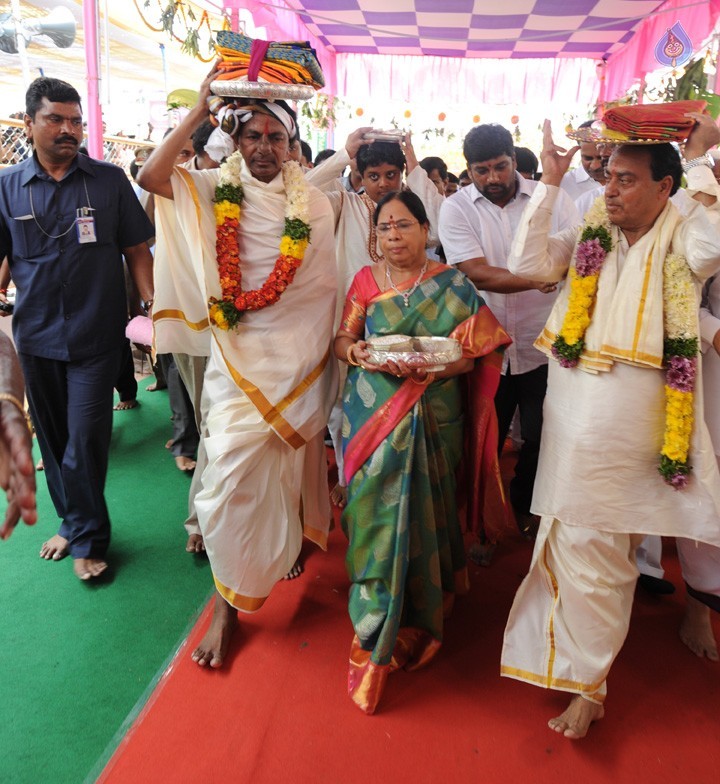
x=681 y=347
x=228 y=192
x=296 y=229
x=599 y=233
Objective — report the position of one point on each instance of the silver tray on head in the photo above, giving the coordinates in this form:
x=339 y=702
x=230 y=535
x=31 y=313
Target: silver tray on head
x=237 y=88
x=393 y=135
x=431 y=353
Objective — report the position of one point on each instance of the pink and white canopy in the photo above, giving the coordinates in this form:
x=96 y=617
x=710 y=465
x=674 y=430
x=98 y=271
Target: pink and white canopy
x=621 y=32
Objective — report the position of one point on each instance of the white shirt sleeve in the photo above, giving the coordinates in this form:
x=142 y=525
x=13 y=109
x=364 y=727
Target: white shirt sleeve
x=460 y=241
x=535 y=254
x=325 y=177
x=421 y=185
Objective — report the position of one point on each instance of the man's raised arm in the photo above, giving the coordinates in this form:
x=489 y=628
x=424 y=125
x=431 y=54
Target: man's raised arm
x=156 y=173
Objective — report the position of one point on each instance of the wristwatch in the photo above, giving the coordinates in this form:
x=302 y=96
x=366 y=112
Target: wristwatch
x=146 y=304
x=703 y=160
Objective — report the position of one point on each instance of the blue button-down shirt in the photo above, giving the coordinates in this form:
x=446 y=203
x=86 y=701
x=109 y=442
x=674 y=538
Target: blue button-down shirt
x=71 y=301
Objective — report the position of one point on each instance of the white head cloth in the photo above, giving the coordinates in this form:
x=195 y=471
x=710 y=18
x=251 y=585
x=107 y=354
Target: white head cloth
x=221 y=143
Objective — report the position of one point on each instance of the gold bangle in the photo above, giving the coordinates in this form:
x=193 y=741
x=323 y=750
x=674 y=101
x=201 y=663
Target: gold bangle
x=350 y=359
x=20 y=407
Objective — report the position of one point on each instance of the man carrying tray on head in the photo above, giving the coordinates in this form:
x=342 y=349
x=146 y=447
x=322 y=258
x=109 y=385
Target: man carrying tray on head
x=264 y=258
x=625 y=450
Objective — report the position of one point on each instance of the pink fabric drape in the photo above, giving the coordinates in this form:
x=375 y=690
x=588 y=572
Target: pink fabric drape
x=637 y=57
x=473 y=80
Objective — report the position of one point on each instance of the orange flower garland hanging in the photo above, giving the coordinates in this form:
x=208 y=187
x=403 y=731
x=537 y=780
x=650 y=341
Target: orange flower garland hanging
x=226 y=312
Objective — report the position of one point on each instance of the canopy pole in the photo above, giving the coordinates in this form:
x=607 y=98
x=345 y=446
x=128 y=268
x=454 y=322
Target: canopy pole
x=93 y=110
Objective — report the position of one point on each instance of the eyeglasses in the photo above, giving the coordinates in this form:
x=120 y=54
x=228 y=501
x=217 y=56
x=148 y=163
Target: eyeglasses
x=402 y=226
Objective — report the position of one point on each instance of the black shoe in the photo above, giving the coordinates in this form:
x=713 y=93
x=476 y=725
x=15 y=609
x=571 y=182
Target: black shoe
x=656 y=585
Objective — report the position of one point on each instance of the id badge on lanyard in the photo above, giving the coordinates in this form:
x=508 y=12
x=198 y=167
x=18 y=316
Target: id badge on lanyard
x=85 y=226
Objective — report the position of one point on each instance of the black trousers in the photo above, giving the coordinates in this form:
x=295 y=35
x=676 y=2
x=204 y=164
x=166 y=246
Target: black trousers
x=71 y=405
x=125 y=383
x=526 y=392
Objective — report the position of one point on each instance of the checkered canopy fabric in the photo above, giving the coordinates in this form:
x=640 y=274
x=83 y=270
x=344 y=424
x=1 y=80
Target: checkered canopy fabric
x=475 y=28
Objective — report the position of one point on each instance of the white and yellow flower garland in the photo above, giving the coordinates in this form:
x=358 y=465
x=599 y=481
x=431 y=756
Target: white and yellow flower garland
x=226 y=312
x=680 y=359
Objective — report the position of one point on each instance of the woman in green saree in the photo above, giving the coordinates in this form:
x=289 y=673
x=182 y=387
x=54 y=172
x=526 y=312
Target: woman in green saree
x=403 y=443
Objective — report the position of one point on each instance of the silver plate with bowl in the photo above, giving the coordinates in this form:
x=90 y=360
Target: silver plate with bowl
x=237 y=88
x=431 y=353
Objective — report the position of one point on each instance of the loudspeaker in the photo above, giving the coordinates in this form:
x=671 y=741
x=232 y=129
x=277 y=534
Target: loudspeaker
x=58 y=26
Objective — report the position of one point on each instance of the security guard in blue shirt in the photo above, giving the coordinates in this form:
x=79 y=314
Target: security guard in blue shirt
x=66 y=221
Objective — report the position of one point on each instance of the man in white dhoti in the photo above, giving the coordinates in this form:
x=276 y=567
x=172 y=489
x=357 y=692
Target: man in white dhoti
x=263 y=260
x=625 y=450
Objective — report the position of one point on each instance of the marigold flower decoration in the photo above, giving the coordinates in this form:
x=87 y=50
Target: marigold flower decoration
x=680 y=359
x=592 y=249
x=225 y=313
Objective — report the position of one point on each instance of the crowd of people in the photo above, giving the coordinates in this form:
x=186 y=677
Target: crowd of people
x=574 y=298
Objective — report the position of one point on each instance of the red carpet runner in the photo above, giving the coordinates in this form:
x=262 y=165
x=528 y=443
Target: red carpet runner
x=279 y=710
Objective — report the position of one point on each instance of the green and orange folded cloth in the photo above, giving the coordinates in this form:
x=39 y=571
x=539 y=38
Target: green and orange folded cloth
x=252 y=60
x=650 y=122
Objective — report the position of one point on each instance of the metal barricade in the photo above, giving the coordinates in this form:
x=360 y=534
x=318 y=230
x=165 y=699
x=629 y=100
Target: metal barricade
x=15 y=147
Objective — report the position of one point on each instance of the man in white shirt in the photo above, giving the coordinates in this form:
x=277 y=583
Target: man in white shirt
x=476 y=227
x=587 y=177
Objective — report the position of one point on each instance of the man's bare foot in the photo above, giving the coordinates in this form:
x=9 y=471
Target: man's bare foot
x=696 y=630
x=577 y=718
x=214 y=645
x=338 y=496
x=125 y=405
x=154 y=387
x=195 y=544
x=88 y=568
x=55 y=549
x=186 y=464
x=296 y=571
x=40 y=465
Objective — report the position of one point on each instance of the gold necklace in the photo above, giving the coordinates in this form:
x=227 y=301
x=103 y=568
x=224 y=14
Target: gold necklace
x=405 y=294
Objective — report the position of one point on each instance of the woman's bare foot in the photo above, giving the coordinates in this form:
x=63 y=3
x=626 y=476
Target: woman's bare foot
x=338 y=496
x=296 y=571
x=55 y=549
x=214 y=645
x=577 y=718
x=696 y=630
x=125 y=405
x=195 y=544
x=88 y=568
x=186 y=464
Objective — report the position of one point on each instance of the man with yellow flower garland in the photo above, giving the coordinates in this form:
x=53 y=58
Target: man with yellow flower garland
x=262 y=250
x=625 y=449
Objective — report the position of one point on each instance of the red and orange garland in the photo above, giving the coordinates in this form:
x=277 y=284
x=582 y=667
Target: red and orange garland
x=225 y=313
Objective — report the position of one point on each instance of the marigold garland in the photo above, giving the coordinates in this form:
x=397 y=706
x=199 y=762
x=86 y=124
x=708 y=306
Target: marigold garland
x=680 y=359
x=681 y=340
x=226 y=312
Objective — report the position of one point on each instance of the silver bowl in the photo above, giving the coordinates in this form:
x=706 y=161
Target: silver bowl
x=430 y=353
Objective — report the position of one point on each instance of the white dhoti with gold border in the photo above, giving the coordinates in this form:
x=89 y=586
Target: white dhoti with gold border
x=571 y=614
x=268 y=389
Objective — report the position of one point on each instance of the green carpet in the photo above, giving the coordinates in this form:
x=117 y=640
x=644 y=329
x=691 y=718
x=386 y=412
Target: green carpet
x=77 y=657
